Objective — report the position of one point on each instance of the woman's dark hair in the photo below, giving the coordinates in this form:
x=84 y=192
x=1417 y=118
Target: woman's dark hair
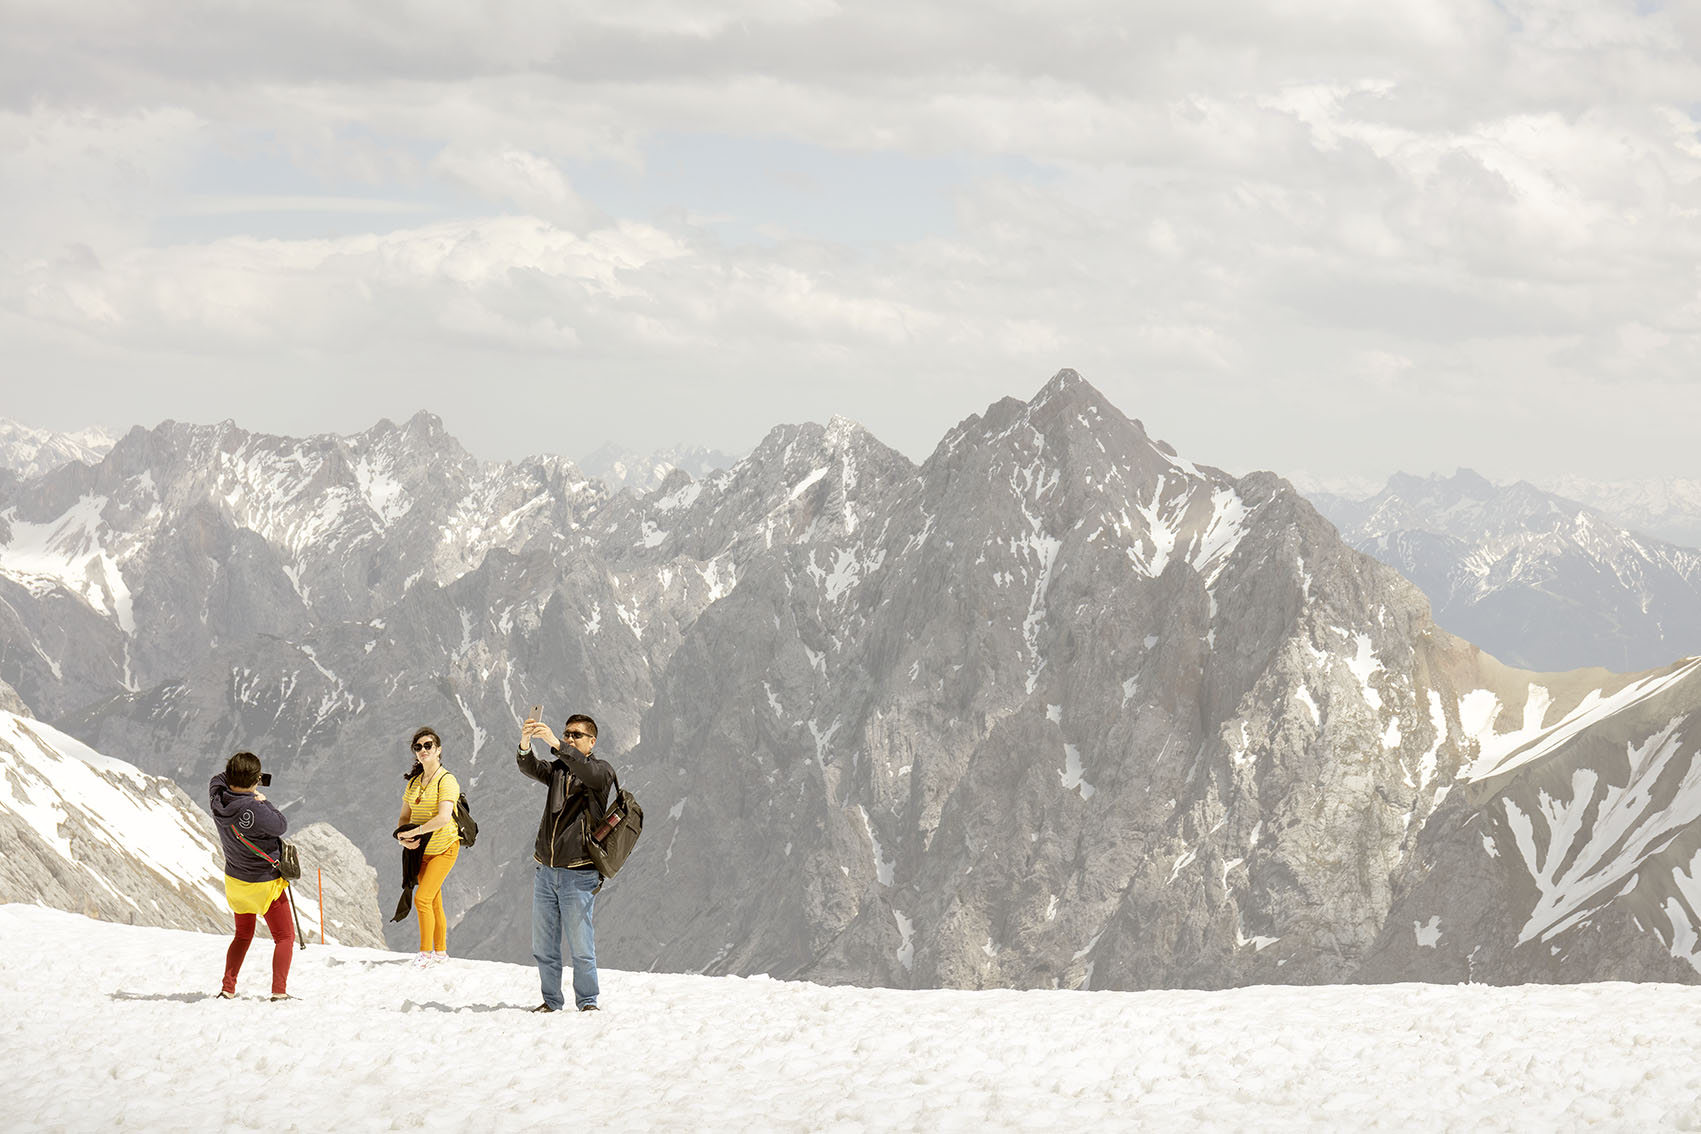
x=422 y=730
x=242 y=770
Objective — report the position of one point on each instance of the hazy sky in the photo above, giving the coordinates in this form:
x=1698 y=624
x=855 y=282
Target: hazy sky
x=1328 y=237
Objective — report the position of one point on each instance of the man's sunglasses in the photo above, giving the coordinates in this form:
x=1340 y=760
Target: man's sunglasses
x=424 y=745
x=577 y=735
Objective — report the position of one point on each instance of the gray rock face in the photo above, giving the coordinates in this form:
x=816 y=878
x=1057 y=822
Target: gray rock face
x=1058 y=708
x=10 y=702
x=1535 y=579
x=350 y=887
x=1049 y=727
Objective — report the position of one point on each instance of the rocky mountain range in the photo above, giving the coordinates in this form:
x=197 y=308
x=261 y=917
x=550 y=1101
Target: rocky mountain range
x=86 y=833
x=1057 y=707
x=1537 y=580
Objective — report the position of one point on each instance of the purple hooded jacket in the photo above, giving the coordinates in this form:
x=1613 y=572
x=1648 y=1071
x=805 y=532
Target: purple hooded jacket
x=260 y=823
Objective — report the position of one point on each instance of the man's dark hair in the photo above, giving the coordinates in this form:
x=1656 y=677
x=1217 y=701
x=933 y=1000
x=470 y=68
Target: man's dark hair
x=580 y=719
x=242 y=770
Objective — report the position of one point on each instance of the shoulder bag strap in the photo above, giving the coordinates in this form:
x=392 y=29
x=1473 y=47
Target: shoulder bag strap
x=254 y=848
x=611 y=814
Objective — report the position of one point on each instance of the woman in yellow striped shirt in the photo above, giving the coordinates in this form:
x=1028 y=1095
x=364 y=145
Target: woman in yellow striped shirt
x=428 y=814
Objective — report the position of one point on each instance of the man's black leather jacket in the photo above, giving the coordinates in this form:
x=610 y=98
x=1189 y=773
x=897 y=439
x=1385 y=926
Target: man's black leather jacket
x=576 y=784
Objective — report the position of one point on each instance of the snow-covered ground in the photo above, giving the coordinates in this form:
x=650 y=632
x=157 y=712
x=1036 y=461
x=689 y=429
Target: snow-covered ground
x=115 y=1027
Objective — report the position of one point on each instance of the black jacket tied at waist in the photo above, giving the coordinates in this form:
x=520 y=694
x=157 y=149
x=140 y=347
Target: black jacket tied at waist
x=411 y=861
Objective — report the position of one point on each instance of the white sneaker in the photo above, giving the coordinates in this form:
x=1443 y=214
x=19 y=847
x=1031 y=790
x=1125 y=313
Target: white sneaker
x=420 y=962
x=438 y=958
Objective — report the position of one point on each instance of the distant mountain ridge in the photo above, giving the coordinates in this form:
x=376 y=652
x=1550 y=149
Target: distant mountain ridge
x=1537 y=580
x=1055 y=708
x=644 y=472
x=1668 y=509
x=27 y=452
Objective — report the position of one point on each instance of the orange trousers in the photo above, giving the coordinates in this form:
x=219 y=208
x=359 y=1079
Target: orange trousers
x=428 y=899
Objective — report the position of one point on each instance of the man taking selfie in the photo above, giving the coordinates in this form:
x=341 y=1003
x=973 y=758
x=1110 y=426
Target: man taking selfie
x=566 y=882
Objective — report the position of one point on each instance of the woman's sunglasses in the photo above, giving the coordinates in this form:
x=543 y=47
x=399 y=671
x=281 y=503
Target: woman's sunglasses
x=424 y=745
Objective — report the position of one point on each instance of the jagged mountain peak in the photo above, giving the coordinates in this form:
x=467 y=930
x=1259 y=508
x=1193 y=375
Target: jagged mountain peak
x=1069 y=434
x=799 y=453
x=421 y=439
x=842 y=431
x=1067 y=386
x=807 y=481
x=1073 y=399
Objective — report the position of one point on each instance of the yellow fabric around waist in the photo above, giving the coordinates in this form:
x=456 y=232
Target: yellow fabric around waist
x=251 y=897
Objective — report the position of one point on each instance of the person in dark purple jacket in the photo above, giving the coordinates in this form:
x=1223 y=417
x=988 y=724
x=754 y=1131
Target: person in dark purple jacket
x=252 y=886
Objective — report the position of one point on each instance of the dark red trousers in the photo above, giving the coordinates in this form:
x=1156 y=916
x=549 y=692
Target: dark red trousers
x=283 y=942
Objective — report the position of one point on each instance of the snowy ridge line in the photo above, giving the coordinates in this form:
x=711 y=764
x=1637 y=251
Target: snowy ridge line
x=48 y=778
x=1499 y=753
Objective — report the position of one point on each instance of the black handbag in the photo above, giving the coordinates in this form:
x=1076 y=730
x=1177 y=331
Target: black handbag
x=610 y=842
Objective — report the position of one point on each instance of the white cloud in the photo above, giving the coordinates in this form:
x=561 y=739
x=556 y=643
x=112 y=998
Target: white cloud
x=1313 y=208
x=513 y=176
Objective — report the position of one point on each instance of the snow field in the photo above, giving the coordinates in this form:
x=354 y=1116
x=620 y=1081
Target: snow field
x=116 y=1027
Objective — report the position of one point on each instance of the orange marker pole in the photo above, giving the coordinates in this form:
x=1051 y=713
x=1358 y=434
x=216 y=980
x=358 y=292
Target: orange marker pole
x=321 y=905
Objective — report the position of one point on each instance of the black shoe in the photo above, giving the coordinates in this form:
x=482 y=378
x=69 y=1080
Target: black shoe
x=223 y=995
x=589 y=1008
x=543 y=1008
x=276 y=996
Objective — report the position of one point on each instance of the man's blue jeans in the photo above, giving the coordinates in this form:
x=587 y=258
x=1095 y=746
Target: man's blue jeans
x=562 y=900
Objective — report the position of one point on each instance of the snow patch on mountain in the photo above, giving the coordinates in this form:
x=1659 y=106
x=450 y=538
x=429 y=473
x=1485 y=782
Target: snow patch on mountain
x=67 y=551
x=1364 y=665
x=1222 y=534
x=1593 y=843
